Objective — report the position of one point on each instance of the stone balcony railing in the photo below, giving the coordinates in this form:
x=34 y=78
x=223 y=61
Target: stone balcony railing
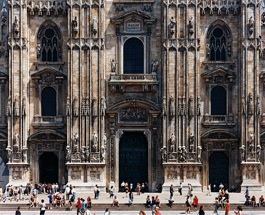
x=133 y=83
x=3 y=123
x=48 y=121
x=218 y=120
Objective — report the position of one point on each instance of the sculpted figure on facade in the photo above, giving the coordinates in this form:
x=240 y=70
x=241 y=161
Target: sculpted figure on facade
x=94 y=142
x=163 y=152
x=250 y=104
x=9 y=107
x=191 y=25
x=242 y=150
x=164 y=111
x=16 y=142
x=83 y=154
x=94 y=108
x=87 y=154
x=75 y=142
x=172 y=25
x=172 y=142
x=103 y=152
x=198 y=106
x=75 y=107
x=68 y=154
x=258 y=106
x=154 y=66
x=243 y=105
x=75 y=26
x=16 y=107
x=95 y=25
x=251 y=145
x=102 y=106
x=15 y=27
x=182 y=153
x=199 y=154
x=113 y=66
x=9 y=154
x=25 y=155
x=251 y=25
x=23 y=112
x=171 y=106
x=258 y=153
x=68 y=106
x=191 y=142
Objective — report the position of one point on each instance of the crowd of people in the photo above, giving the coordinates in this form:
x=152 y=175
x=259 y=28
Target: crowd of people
x=66 y=196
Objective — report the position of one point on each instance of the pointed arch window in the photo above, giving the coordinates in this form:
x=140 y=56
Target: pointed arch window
x=218 y=101
x=218 y=45
x=133 y=56
x=48 y=101
x=49 y=44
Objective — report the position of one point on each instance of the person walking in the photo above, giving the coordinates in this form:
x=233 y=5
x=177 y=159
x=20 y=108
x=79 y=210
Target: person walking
x=239 y=210
x=18 y=211
x=208 y=190
x=42 y=207
x=78 y=206
x=216 y=205
x=201 y=211
x=171 y=190
x=180 y=189
x=227 y=207
x=107 y=212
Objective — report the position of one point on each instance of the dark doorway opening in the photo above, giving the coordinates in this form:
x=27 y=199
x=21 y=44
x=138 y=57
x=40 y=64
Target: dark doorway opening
x=48 y=168
x=133 y=158
x=218 y=170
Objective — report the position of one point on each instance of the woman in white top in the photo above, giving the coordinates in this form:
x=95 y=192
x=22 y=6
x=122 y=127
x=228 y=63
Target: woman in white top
x=42 y=207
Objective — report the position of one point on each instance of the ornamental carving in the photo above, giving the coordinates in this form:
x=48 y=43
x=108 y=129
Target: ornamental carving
x=172 y=175
x=76 y=175
x=95 y=175
x=17 y=175
x=191 y=175
x=251 y=175
x=134 y=114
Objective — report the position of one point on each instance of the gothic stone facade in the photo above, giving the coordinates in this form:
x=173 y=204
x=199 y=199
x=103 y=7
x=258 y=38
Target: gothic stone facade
x=185 y=76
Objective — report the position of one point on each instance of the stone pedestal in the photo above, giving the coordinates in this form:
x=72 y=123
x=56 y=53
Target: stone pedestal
x=191 y=175
x=84 y=176
x=172 y=175
x=18 y=174
x=251 y=176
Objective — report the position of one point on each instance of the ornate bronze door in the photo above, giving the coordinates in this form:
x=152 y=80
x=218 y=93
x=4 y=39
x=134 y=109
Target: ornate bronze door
x=133 y=158
x=218 y=170
x=48 y=168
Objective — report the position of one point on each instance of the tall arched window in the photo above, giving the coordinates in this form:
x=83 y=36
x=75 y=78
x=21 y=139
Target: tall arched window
x=218 y=101
x=133 y=57
x=49 y=43
x=48 y=102
x=218 y=45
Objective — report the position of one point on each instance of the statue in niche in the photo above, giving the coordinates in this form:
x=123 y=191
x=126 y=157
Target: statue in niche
x=179 y=154
x=208 y=49
x=198 y=106
x=242 y=152
x=94 y=142
x=163 y=151
x=75 y=25
x=171 y=106
x=191 y=142
x=190 y=106
x=154 y=66
x=164 y=111
x=251 y=144
x=184 y=154
x=104 y=139
x=23 y=107
x=87 y=154
x=68 y=154
x=172 y=25
x=251 y=25
x=250 y=104
x=172 y=141
x=15 y=142
x=199 y=154
x=9 y=154
x=113 y=66
x=83 y=154
x=191 y=25
x=75 y=107
x=75 y=142
x=16 y=107
x=103 y=106
x=38 y=50
x=68 y=106
x=95 y=25
x=243 y=104
x=258 y=106
x=258 y=153
x=16 y=27
x=9 y=107
x=103 y=152
x=25 y=156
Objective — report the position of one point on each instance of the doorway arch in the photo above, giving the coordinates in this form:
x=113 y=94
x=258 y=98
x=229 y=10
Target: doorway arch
x=218 y=170
x=48 y=168
x=133 y=158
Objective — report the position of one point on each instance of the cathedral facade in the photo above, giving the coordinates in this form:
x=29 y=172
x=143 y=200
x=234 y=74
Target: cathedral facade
x=143 y=91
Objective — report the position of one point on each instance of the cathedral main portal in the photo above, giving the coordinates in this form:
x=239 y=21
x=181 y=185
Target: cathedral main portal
x=133 y=154
x=218 y=170
x=48 y=168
